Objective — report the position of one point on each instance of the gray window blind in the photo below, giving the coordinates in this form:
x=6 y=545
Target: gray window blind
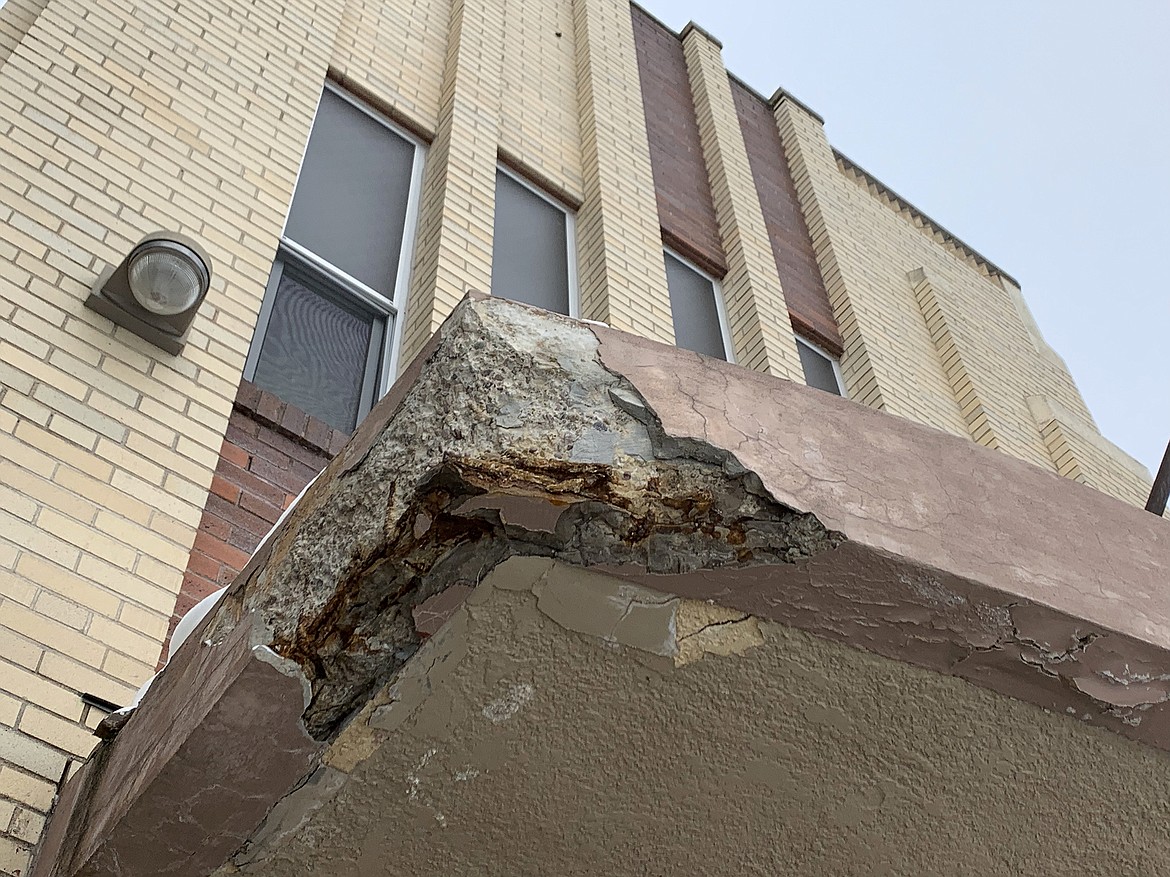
x=350 y=202
x=319 y=350
x=818 y=369
x=530 y=256
x=693 y=307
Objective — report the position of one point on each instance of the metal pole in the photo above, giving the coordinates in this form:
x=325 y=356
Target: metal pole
x=1161 y=490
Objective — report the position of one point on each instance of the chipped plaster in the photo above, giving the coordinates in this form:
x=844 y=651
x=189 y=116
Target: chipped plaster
x=698 y=485
x=794 y=756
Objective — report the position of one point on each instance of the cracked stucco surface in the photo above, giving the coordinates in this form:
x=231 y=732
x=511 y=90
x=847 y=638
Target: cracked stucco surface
x=543 y=750
x=1007 y=555
x=689 y=476
x=710 y=498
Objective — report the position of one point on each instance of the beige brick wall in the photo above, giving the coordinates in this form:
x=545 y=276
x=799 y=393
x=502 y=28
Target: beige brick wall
x=453 y=249
x=118 y=121
x=756 y=310
x=981 y=423
x=810 y=160
x=16 y=17
x=1079 y=452
x=619 y=242
x=394 y=49
x=539 y=123
x=567 y=109
x=477 y=78
x=947 y=338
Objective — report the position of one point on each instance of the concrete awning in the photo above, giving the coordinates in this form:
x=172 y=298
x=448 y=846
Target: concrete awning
x=574 y=602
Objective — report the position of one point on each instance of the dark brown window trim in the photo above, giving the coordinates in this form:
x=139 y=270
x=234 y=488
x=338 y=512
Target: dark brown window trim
x=805 y=329
x=515 y=165
x=672 y=241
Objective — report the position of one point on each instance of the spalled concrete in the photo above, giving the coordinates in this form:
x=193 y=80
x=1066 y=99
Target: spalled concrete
x=185 y=783
x=707 y=503
x=545 y=458
x=523 y=747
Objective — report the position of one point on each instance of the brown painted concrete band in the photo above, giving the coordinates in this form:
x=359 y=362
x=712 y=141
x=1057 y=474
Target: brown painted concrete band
x=191 y=775
x=937 y=553
x=958 y=558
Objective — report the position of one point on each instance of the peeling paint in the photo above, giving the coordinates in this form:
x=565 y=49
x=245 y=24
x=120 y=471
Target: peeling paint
x=504 y=708
x=613 y=611
x=431 y=614
x=291 y=812
x=707 y=629
x=796 y=737
x=669 y=474
x=931 y=590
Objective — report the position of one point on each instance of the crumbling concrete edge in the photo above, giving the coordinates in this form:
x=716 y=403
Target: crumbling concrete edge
x=622 y=445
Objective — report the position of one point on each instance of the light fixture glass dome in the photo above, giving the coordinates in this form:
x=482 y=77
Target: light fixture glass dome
x=166 y=278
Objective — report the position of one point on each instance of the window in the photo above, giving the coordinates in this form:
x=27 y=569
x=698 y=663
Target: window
x=820 y=370
x=328 y=329
x=696 y=305
x=534 y=257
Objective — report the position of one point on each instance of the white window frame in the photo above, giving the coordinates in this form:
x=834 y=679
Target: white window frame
x=720 y=307
x=392 y=308
x=570 y=234
x=834 y=361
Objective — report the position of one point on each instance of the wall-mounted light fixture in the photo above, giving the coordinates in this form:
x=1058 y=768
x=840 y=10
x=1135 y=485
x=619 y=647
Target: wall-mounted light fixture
x=156 y=290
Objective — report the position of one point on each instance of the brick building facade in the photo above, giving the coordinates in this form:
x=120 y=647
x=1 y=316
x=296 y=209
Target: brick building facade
x=694 y=210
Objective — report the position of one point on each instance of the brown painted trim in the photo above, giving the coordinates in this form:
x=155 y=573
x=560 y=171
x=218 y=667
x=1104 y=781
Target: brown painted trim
x=804 y=328
x=226 y=716
x=715 y=269
x=381 y=105
x=517 y=165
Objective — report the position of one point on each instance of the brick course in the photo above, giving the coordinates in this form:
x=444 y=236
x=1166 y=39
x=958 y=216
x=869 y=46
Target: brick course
x=757 y=313
x=792 y=248
x=622 y=274
x=263 y=464
x=539 y=116
x=686 y=209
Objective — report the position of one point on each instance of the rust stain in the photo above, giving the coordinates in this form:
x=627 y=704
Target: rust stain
x=365 y=629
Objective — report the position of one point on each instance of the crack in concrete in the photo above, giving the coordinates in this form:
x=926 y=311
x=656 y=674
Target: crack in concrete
x=714 y=624
x=690 y=507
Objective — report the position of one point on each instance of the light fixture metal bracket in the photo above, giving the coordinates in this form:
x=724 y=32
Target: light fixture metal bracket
x=112 y=298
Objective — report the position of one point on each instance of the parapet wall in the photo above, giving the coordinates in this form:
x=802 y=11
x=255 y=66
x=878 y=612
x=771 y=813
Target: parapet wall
x=686 y=513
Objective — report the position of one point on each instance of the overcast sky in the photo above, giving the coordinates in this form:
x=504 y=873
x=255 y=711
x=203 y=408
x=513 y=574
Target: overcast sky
x=1035 y=130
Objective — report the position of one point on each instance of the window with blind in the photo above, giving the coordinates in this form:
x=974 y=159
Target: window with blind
x=327 y=332
x=696 y=306
x=820 y=369
x=533 y=250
